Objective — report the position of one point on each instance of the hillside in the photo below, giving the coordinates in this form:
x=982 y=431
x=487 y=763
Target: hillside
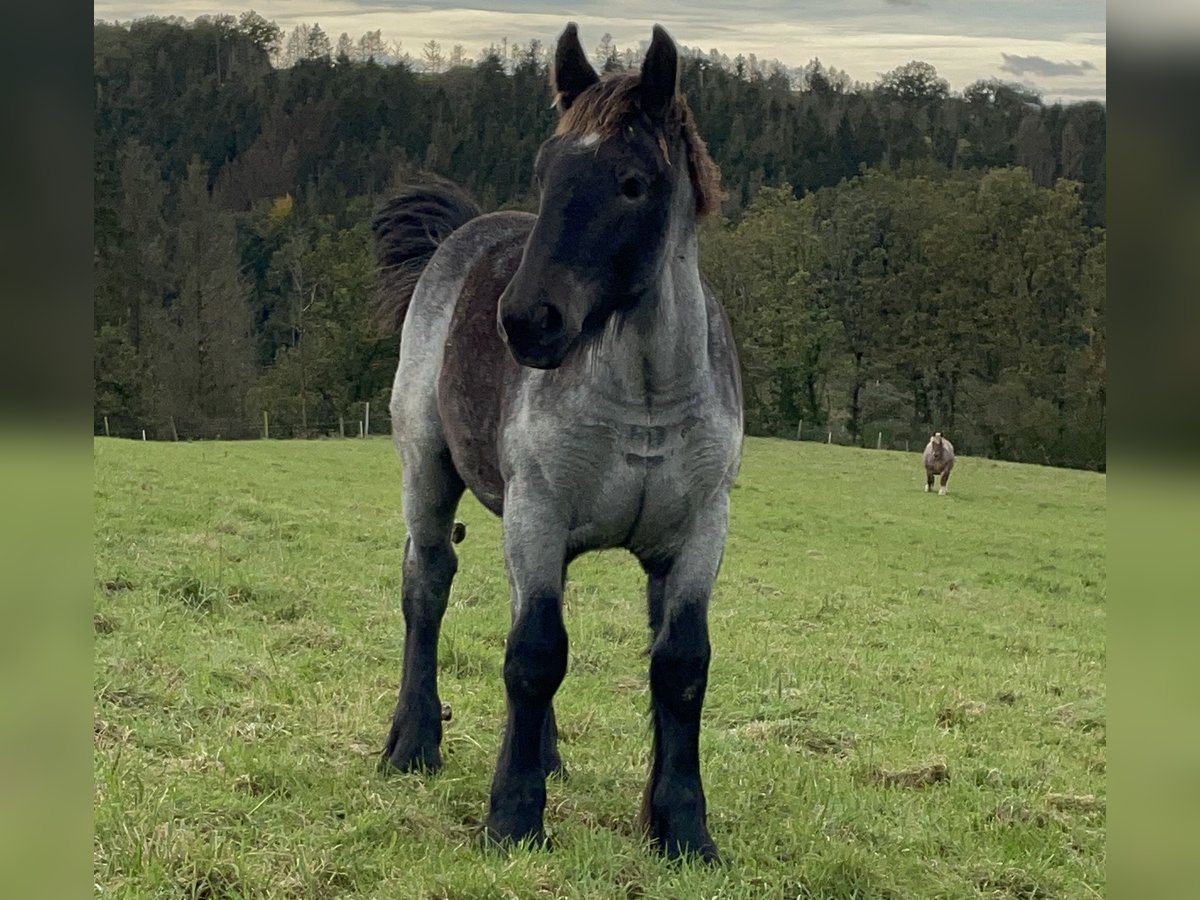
x=907 y=694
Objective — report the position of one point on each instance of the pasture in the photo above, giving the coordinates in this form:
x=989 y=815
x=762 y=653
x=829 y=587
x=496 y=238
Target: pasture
x=906 y=698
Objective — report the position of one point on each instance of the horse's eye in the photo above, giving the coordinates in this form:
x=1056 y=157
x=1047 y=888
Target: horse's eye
x=632 y=189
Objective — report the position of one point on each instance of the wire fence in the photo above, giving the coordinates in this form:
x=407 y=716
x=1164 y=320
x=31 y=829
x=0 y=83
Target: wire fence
x=365 y=420
x=362 y=420
x=891 y=437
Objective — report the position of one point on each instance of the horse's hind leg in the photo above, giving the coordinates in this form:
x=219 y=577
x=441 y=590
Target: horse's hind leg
x=432 y=489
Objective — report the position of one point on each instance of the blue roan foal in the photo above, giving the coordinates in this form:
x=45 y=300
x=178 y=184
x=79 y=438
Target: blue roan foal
x=573 y=371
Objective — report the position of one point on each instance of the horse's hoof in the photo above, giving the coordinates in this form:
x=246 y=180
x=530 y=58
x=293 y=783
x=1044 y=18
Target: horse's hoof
x=687 y=838
x=447 y=712
x=457 y=533
x=942 y=492
x=705 y=850
x=389 y=766
x=400 y=759
x=502 y=838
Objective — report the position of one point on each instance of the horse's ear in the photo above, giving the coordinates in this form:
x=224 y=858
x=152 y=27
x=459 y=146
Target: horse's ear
x=660 y=75
x=573 y=74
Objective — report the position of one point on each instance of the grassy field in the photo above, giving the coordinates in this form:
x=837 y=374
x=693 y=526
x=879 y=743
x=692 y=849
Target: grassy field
x=907 y=694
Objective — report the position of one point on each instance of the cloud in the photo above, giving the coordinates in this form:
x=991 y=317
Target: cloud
x=860 y=37
x=1039 y=65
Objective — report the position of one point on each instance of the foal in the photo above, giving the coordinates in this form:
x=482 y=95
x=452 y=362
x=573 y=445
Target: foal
x=572 y=370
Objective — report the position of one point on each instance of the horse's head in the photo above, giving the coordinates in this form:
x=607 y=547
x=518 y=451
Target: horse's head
x=607 y=183
x=936 y=442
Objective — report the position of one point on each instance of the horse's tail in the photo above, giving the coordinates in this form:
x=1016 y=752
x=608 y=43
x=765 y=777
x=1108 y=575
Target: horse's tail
x=407 y=231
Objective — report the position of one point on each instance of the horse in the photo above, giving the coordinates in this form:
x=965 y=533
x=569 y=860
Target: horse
x=939 y=460
x=575 y=373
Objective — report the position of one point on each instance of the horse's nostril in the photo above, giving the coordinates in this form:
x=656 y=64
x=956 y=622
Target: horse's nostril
x=550 y=320
x=533 y=330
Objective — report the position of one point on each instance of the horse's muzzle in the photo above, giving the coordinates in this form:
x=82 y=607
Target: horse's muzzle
x=537 y=337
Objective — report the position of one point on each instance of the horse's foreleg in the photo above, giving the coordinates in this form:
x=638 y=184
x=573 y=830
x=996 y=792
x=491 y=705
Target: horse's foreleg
x=929 y=476
x=674 y=812
x=432 y=489
x=552 y=763
x=945 y=478
x=535 y=662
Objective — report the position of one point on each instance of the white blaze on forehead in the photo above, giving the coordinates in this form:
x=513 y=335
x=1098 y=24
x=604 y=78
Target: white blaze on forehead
x=588 y=140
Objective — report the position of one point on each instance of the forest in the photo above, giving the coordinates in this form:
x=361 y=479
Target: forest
x=896 y=258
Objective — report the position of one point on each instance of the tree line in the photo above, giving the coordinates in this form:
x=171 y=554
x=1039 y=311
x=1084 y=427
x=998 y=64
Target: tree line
x=895 y=257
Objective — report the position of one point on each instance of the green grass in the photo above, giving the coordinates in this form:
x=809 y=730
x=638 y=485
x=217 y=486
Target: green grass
x=907 y=692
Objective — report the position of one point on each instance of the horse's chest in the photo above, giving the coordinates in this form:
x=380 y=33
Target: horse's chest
x=625 y=481
x=938 y=464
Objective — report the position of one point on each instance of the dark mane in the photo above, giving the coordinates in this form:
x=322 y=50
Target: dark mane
x=609 y=104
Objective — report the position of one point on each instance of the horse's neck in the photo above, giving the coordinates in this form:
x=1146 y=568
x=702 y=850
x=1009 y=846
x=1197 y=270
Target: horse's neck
x=659 y=350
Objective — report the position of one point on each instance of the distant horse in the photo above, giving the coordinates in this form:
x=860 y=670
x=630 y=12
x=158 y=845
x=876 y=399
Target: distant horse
x=573 y=371
x=939 y=460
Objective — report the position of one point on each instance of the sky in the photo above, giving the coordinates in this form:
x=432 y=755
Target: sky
x=1055 y=46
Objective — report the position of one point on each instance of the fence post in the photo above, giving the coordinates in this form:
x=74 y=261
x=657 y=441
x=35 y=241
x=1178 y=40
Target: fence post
x=906 y=445
x=266 y=426
x=341 y=424
x=143 y=434
x=829 y=440
x=879 y=441
x=367 y=416
x=106 y=434
x=800 y=431
x=360 y=428
x=174 y=433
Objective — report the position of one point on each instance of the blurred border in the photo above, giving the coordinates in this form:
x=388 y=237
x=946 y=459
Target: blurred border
x=45 y=345
x=1154 y=511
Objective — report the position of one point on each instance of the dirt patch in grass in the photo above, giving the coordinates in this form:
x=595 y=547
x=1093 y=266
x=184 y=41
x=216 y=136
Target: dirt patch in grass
x=798 y=733
x=102 y=624
x=190 y=591
x=117 y=585
x=261 y=784
x=314 y=637
x=921 y=777
x=217 y=883
x=1088 y=716
x=1010 y=811
x=1015 y=883
x=202 y=595
x=836 y=744
x=127 y=698
x=106 y=734
x=1080 y=803
x=960 y=713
